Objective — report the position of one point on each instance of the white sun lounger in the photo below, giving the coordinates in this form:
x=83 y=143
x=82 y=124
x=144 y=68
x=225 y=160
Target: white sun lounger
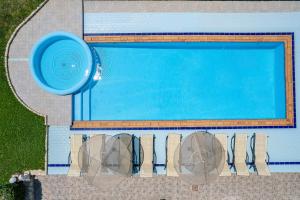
x=147 y=165
x=173 y=143
x=76 y=142
x=223 y=140
x=260 y=154
x=240 y=154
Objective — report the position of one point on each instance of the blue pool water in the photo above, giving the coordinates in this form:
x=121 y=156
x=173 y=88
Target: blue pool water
x=66 y=67
x=185 y=81
x=61 y=63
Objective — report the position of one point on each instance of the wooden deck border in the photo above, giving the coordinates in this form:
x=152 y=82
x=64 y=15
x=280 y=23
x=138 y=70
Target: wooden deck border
x=289 y=121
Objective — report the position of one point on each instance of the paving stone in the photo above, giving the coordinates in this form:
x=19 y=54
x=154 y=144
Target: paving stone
x=189 y=6
x=162 y=187
x=55 y=15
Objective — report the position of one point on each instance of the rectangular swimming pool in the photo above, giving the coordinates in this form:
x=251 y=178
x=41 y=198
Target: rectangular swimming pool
x=186 y=81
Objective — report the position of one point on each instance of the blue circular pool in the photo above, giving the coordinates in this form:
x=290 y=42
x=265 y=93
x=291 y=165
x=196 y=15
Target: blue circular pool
x=61 y=63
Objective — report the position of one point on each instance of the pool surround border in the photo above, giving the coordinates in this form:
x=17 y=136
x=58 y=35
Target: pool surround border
x=288 y=122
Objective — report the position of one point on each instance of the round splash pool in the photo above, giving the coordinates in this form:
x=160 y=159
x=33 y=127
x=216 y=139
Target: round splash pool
x=61 y=63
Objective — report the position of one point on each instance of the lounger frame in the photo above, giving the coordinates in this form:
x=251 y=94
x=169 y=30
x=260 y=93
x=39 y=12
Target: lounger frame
x=75 y=140
x=240 y=166
x=166 y=146
x=263 y=164
x=153 y=157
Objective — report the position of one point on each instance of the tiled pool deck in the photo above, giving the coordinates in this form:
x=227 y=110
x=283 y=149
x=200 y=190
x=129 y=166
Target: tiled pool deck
x=283 y=154
x=55 y=15
x=189 y=6
x=115 y=16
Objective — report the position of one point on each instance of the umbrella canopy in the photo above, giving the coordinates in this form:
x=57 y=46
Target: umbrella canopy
x=105 y=160
x=199 y=159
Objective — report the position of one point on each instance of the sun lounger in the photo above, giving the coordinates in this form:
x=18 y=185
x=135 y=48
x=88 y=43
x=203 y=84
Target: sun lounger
x=173 y=141
x=240 y=154
x=147 y=165
x=223 y=140
x=260 y=154
x=76 y=142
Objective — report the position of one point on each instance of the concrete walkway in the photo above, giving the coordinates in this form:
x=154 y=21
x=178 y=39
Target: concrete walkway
x=55 y=15
x=275 y=187
x=190 y=6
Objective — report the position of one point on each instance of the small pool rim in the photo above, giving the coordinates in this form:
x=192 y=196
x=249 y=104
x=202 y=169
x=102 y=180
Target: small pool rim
x=39 y=49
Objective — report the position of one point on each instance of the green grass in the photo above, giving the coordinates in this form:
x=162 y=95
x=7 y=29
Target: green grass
x=22 y=133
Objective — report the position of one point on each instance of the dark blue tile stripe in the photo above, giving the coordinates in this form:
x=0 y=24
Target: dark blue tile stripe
x=205 y=33
x=58 y=165
x=159 y=165
x=162 y=165
x=284 y=163
x=190 y=33
x=294 y=79
x=274 y=163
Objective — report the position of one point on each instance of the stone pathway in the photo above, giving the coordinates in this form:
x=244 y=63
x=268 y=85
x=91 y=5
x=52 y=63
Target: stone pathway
x=190 y=6
x=55 y=15
x=278 y=186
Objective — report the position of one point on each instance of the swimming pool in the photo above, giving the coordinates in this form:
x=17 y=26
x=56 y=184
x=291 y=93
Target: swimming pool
x=186 y=81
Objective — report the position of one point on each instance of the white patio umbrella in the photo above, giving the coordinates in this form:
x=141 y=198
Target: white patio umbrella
x=105 y=160
x=199 y=159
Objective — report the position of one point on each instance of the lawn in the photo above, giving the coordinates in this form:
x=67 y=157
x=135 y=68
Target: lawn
x=22 y=133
